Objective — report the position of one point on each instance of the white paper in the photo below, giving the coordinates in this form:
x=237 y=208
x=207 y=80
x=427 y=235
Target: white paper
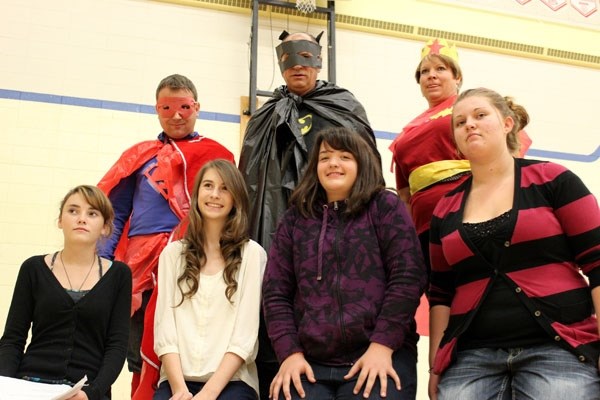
x=20 y=389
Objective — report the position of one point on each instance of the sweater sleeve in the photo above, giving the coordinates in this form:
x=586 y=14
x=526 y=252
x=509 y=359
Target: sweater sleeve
x=245 y=330
x=441 y=284
x=279 y=288
x=121 y=197
x=404 y=267
x=165 y=329
x=579 y=215
x=18 y=322
x=116 y=339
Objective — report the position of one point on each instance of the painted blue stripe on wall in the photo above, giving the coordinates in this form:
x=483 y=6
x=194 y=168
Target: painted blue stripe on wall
x=385 y=135
x=10 y=94
x=586 y=158
x=76 y=101
x=232 y=118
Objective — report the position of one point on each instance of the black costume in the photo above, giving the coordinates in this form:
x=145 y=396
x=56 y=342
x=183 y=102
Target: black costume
x=276 y=147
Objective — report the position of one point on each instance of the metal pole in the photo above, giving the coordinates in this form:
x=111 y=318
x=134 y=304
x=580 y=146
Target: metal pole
x=331 y=41
x=330 y=11
x=253 y=57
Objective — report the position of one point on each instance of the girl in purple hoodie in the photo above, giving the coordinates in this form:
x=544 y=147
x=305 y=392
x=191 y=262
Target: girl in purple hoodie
x=343 y=281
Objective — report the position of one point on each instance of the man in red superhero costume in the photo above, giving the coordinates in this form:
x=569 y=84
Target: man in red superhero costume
x=149 y=187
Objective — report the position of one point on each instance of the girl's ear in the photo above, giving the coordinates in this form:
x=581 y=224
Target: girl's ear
x=509 y=124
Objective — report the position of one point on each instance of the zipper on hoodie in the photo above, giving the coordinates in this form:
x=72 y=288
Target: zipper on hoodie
x=336 y=249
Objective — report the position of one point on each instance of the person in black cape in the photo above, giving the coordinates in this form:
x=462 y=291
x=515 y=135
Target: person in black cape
x=277 y=141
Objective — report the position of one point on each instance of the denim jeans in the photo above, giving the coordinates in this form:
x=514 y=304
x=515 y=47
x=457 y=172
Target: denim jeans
x=331 y=384
x=235 y=390
x=544 y=372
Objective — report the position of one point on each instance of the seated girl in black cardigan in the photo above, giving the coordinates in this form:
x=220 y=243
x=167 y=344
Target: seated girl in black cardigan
x=75 y=303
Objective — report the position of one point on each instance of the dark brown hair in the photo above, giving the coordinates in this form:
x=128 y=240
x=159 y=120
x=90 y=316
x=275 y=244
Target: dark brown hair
x=177 y=82
x=310 y=195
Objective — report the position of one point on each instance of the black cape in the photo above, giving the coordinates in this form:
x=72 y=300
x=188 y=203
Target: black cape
x=273 y=134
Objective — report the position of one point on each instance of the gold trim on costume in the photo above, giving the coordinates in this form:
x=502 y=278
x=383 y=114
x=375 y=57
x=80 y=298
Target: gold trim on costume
x=428 y=174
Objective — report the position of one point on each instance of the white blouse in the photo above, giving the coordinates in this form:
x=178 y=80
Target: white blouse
x=206 y=326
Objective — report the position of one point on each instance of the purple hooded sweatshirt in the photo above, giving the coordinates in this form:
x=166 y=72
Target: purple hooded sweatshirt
x=335 y=283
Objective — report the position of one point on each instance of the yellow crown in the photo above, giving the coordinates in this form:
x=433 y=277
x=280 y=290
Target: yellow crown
x=439 y=46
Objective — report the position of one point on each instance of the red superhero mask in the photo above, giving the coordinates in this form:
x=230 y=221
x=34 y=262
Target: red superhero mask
x=168 y=106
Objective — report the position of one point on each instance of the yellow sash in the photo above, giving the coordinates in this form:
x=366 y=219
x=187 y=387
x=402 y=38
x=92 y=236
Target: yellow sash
x=428 y=174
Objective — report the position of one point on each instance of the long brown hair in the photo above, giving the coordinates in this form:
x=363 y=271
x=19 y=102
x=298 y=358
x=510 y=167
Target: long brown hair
x=310 y=195
x=233 y=236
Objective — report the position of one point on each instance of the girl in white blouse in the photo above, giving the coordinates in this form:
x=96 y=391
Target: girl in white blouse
x=209 y=288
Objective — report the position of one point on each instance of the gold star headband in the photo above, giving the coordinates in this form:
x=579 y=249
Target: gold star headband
x=439 y=46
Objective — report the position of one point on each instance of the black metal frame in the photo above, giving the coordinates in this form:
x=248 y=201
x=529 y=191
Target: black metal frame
x=329 y=10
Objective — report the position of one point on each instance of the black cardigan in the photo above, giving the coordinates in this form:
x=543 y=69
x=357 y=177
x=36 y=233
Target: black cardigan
x=68 y=339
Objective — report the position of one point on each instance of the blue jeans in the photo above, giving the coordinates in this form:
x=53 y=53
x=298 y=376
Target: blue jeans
x=331 y=384
x=545 y=372
x=235 y=390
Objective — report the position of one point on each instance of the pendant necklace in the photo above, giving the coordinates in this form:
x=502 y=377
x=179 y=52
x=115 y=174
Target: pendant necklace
x=67 y=274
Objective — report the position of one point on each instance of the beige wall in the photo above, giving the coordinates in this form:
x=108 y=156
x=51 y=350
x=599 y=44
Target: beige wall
x=529 y=23
x=99 y=52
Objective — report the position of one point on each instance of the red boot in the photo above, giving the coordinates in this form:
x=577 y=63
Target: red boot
x=135 y=382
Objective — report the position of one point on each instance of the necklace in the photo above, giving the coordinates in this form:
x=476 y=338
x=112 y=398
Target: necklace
x=67 y=274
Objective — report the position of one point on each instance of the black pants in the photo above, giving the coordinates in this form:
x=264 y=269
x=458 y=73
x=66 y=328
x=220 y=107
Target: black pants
x=266 y=361
x=136 y=330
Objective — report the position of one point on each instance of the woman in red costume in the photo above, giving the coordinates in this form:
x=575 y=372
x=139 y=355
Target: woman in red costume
x=427 y=164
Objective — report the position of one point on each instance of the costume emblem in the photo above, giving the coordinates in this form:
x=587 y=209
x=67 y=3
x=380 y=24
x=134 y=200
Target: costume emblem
x=305 y=124
x=443 y=113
